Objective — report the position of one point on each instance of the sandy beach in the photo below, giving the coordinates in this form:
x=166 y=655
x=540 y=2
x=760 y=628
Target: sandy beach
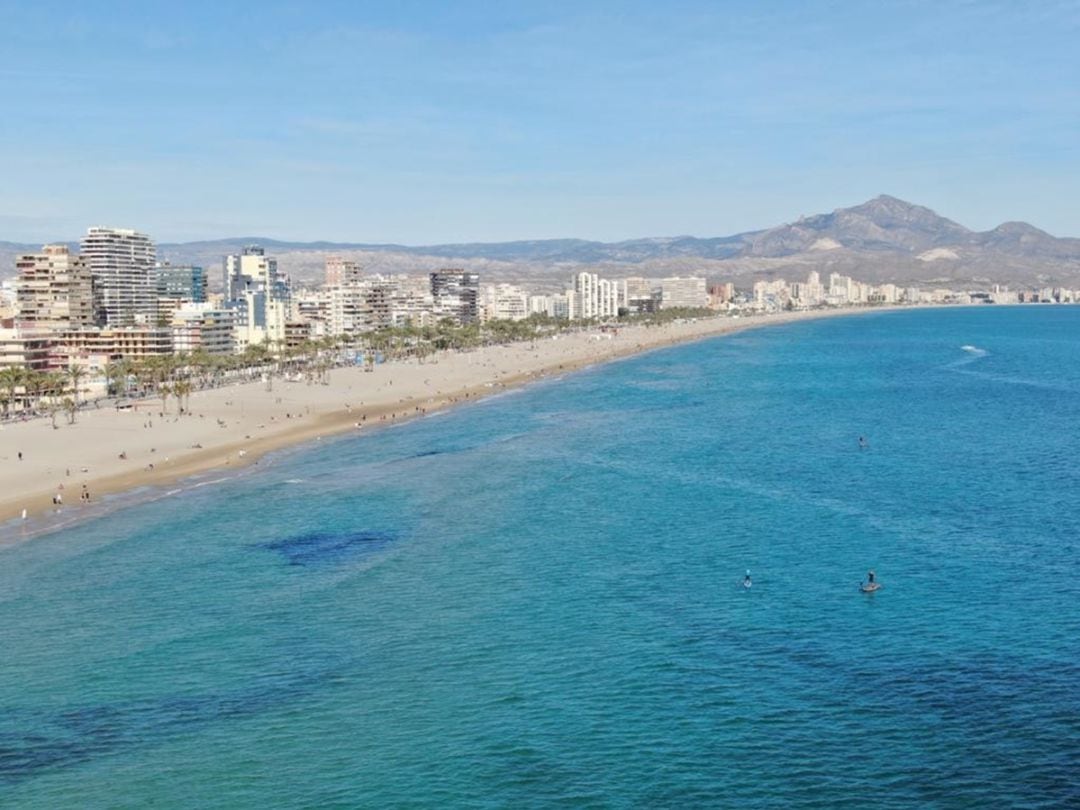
x=109 y=451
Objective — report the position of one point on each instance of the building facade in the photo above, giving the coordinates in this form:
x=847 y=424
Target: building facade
x=121 y=262
x=202 y=327
x=456 y=295
x=594 y=297
x=54 y=290
x=180 y=282
x=503 y=302
x=259 y=295
x=342 y=272
x=683 y=293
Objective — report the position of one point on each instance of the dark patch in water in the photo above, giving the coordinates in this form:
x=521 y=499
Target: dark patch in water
x=328 y=548
x=33 y=742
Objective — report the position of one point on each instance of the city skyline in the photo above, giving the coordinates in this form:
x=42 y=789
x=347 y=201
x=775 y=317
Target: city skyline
x=423 y=125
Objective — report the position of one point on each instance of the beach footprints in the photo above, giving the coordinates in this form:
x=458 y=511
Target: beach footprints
x=320 y=548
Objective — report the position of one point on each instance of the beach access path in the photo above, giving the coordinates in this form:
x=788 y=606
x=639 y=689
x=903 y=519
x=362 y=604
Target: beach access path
x=109 y=450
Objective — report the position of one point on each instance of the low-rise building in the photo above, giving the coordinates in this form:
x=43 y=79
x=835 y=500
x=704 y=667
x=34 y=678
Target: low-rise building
x=203 y=327
x=25 y=349
x=120 y=343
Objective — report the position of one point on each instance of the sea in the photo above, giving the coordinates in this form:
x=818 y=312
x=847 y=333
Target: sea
x=538 y=600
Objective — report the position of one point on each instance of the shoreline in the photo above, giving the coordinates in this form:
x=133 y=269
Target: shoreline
x=233 y=428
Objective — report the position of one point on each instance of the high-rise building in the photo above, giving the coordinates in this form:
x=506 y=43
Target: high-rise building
x=503 y=302
x=54 y=290
x=253 y=270
x=180 y=282
x=121 y=262
x=638 y=295
x=722 y=293
x=688 y=293
x=596 y=297
x=403 y=300
x=456 y=295
x=342 y=272
x=259 y=294
x=349 y=310
x=313 y=307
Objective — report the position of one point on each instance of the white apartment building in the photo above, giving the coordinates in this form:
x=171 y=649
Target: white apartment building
x=683 y=293
x=594 y=297
x=121 y=262
x=8 y=297
x=349 y=309
x=503 y=302
x=259 y=294
x=771 y=294
x=312 y=307
x=554 y=306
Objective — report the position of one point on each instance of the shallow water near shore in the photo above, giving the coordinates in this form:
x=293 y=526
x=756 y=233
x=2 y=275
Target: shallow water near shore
x=537 y=599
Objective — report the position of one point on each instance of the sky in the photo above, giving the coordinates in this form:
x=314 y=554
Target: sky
x=436 y=122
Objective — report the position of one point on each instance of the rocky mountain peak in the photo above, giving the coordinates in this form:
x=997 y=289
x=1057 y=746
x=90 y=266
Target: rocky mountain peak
x=885 y=211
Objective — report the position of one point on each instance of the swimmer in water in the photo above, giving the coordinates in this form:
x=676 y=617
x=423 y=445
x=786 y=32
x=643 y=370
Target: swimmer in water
x=863 y=443
x=746 y=580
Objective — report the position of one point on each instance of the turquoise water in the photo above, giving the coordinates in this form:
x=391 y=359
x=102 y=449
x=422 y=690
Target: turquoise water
x=536 y=600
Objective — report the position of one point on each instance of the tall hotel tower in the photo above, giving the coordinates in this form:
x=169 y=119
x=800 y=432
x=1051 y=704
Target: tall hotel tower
x=122 y=264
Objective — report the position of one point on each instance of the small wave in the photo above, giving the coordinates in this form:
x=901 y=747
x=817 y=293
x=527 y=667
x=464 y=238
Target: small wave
x=967 y=347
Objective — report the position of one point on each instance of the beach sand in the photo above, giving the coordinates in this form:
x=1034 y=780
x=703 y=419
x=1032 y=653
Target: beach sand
x=228 y=428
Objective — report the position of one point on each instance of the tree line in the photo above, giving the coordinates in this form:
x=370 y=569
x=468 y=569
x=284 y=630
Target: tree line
x=177 y=376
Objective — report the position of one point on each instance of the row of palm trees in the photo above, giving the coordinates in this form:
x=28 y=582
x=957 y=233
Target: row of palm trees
x=177 y=376
x=41 y=391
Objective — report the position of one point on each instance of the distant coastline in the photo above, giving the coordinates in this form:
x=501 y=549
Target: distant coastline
x=232 y=427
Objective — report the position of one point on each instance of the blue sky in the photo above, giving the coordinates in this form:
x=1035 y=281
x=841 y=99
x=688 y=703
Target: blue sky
x=424 y=122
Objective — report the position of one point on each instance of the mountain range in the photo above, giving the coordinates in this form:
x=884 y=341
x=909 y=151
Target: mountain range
x=884 y=239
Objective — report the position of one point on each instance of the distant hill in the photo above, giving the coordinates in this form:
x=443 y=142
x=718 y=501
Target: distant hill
x=883 y=239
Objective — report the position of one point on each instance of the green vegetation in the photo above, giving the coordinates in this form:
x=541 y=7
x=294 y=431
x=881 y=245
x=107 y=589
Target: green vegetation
x=176 y=377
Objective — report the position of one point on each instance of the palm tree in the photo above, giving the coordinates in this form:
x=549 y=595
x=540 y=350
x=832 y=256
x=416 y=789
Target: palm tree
x=182 y=388
x=200 y=361
x=71 y=407
x=49 y=384
x=11 y=377
x=115 y=373
x=34 y=386
x=75 y=375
